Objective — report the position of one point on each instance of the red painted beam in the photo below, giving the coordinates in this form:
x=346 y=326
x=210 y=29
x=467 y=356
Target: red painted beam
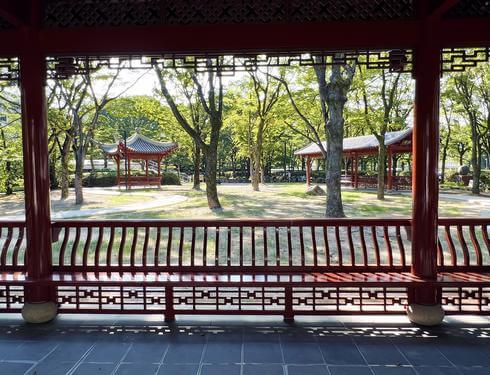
x=250 y=38
x=230 y=38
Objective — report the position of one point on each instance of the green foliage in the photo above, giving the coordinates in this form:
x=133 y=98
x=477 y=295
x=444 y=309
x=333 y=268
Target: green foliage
x=101 y=178
x=170 y=178
x=485 y=180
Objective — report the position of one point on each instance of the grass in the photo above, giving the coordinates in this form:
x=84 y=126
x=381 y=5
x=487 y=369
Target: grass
x=282 y=200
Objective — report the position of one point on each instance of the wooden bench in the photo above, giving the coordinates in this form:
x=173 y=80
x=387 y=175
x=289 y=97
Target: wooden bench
x=285 y=267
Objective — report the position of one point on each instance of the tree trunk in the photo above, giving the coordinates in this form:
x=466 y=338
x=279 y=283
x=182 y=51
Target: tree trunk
x=255 y=170
x=211 y=156
x=335 y=99
x=78 y=176
x=381 y=169
x=476 y=166
x=197 y=166
x=64 y=172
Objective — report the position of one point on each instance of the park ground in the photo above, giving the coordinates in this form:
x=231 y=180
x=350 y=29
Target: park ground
x=238 y=200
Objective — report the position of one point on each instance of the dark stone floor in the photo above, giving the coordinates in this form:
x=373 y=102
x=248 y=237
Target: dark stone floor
x=265 y=346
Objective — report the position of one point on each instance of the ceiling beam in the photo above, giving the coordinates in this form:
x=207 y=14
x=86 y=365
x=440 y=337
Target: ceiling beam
x=442 y=8
x=249 y=38
x=231 y=38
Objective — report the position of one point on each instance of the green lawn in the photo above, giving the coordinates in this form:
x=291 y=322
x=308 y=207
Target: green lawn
x=278 y=200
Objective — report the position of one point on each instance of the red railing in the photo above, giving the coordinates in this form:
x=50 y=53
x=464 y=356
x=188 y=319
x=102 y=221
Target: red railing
x=307 y=245
x=328 y=266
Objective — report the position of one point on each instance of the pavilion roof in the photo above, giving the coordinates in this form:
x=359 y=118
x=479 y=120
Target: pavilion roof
x=363 y=143
x=139 y=144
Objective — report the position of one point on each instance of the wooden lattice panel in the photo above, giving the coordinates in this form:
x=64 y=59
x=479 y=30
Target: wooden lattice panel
x=349 y=300
x=70 y=13
x=460 y=59
x=11 y=298
x=111 y=299
x=467 y=300
x=470 y=8
x=230 y=299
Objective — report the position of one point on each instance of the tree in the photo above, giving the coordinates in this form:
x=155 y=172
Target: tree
x=332 y=97
x=473 y=93
x=84 y=104
x=10 y=139
x=266 y=92
x=387 y=104
x=212 y=105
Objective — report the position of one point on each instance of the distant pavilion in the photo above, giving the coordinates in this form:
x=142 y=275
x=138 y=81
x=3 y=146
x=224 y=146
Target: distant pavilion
x=397 y=142
x=139 y=147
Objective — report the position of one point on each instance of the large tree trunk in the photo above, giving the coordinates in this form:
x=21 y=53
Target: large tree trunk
x=197 y=167
x=64 y=172
x=78 y=177
x=381 y=168
x=255 y=170
x=336 y=98
x=211 y=156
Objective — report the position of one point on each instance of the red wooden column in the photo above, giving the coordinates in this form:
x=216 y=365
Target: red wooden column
x=147 y=175
x=128 y=173
x=39 y=300
x=424 y=301
x=159 y=173
x=356 y=171
x=118 y=166
x=308 y=170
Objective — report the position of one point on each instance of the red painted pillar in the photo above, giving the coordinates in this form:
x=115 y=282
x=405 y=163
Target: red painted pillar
x=118 y=166
x=159 y=173
x=425 y=159
x=356 y=172
x=308 y=171
x=129 y=171
x=36 y=171
x=147 y=175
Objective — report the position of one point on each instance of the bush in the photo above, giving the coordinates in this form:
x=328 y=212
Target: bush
x=102 y=178
x=170 y=178
x=453 y=177
x=485 y=180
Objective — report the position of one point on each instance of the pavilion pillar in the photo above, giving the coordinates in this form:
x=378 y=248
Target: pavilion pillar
x=147 y=175
x=424 y=302
x=118 y=167
x=40 y=299
x=308 y=171
x=159 y=173
x=352 y=171
x=356 y=171
x=128 y=176
x=390 y=169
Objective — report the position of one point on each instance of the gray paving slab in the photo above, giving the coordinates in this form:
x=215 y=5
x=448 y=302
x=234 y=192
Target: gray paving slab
x=140 y=345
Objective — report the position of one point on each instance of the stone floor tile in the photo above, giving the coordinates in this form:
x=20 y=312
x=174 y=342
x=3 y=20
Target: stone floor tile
x=393 y=370
x=137 y=369
x=220 y=370
x=48 y=367
x=171 y=369
x=302 y=353
x=223 y=352
x=184 y=353
x=107 y=352
x=95 y=369
x=350 y=370
x=262 y=352
x=307 y=370
x=266 y=369
x=10 y=368
x=151 y=352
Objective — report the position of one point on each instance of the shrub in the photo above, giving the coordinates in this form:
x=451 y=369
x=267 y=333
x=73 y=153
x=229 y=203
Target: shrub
x=453 y=176
x=485 y=180
x=102 y=178
x=170 y=178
